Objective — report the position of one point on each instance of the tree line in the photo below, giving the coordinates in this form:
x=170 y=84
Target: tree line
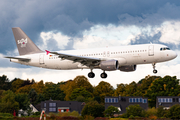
x=18 y=94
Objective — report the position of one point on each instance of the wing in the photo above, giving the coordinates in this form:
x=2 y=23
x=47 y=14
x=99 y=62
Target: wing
x=20 y=58
x=88 y=61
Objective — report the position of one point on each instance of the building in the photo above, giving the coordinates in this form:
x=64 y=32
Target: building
x=61 y=106
x=122 y=102
x=167 y=101
x=25 y=112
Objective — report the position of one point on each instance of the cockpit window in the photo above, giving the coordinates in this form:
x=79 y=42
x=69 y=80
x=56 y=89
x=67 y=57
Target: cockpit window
x=165 y=48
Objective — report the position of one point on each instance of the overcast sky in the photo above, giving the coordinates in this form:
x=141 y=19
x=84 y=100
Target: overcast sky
x=79 y=24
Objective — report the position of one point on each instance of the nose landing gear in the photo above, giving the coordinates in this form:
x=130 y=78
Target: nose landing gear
x=154 y=66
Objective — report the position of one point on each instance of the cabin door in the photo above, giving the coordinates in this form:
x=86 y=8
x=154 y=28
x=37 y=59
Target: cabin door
x=151 y=50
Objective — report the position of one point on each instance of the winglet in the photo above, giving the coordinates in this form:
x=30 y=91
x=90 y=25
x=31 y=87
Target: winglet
x=47 y=52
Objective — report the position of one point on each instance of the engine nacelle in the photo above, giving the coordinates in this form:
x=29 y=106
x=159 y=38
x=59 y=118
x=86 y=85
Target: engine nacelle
x=128 y=68
x=109 y=65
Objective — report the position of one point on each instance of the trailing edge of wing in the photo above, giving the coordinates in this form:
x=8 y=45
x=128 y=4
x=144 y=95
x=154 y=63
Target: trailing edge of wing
x=19 y=58
x=88 y=61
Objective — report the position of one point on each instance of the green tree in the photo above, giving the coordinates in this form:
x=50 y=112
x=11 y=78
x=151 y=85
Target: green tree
x=167 y=86
x=161 y=112
x=111 y=110
x=134 y=110
x=131 y=89
x=33 y=96
x=103 y=89
x=120 y=90
x=80 y=99
x=82 y=81
x=23 y=101
x=174 y=112
x=80 y=92
x=144 y=84
x=40 y=98
x=94 y=109
x=5 y=84
x=97 y=98
x=8 y=103
x=53 y=91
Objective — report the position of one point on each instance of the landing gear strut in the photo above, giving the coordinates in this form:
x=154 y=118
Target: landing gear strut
x=103 y=75
x=154 y=70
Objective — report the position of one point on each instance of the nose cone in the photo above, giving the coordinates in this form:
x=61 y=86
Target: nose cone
x=173 y=54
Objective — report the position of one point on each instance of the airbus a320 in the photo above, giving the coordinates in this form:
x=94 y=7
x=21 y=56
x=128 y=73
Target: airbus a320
x=123 y=58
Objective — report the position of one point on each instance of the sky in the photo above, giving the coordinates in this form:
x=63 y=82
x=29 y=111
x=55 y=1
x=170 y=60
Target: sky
x=79 y=24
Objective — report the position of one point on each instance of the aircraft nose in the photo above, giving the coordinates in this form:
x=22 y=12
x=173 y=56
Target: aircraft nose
x=174 y=54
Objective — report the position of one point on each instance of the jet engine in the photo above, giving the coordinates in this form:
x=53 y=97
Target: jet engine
x=128 y=68
x=109 y=65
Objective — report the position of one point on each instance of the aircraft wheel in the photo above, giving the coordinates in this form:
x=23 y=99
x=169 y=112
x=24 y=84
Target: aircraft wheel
x=103 y=75
x=155 y=71
x=91 y=75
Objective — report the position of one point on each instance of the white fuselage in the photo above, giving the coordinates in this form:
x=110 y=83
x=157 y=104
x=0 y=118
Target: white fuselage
x=126 y=55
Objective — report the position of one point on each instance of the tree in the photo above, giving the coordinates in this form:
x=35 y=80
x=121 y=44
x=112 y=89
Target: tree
x=167 y=86
x=8 y=103
x=144 y=84
x=53 y=91
x=24 y=89
x=5 y=84
x=23 y=101
x=68 y=87
x=111 y=110
x=131 y=89
x=161 y=112
x=103 y=89
x=79 y=81
x=174 y=112
x=33 y=96
x=16 y=84
x=38 y=87
x=94 y=109
x=80 y=99
x=134 y=110
x=40 y=98
x=120 y=90
x=80 y=92
x=82 y=81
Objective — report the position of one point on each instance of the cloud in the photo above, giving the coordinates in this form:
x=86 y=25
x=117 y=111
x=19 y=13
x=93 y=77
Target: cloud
x=78 y=24
x=72 y=18
x=51 y=39
x=103 y=36
x=170 y=32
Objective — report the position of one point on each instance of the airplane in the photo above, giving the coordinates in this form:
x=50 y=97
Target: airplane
x=123 y=58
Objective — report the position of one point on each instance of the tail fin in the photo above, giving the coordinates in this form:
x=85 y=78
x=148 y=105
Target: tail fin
x=24 y=44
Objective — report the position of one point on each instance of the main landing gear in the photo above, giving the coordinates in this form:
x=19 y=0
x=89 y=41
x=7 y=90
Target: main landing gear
x=103 y=75
x=92 y=75
x=154 y=70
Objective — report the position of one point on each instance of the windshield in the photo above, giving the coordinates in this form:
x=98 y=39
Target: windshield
x=165 y=48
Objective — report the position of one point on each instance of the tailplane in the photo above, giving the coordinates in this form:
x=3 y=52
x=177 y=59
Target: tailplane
x=24 y=44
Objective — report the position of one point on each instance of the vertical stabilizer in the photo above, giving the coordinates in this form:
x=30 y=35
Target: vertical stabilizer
x=24 y=44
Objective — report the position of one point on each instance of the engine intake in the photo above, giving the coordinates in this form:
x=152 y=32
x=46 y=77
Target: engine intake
x=109 y=65
x=128 y=68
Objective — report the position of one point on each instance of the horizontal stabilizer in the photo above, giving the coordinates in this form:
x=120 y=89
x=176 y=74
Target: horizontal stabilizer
x=20 y=58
